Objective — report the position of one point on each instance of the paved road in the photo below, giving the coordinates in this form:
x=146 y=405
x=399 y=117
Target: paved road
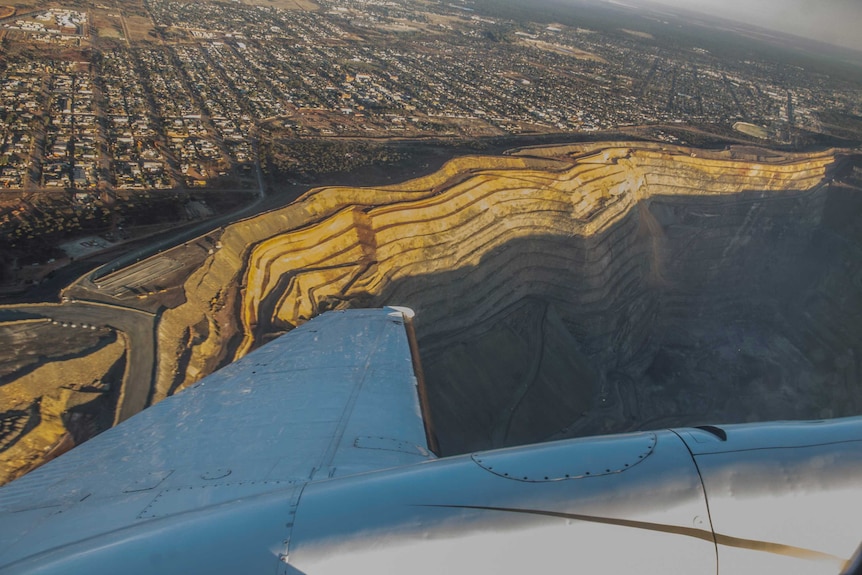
x=262 y=203
x=138 y=327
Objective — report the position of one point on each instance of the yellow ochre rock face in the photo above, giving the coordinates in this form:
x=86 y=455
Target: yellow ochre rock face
x=339 y=247
x=338 y=243
x=40 y=401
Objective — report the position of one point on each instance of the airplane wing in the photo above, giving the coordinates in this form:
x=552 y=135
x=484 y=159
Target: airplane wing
x=311 y=456
x=336 y=396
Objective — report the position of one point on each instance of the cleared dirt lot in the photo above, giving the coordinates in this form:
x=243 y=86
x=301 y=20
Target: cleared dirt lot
x=285 y=4
x=140 y=29
x=107 y=24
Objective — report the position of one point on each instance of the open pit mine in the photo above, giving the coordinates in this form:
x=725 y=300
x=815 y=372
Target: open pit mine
x=568 y=290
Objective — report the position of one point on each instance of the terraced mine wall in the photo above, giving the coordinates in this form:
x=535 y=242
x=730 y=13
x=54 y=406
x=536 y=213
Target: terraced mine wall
x=566 y=291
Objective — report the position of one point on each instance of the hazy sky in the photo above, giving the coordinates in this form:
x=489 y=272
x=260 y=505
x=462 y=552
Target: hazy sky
x=834 y=21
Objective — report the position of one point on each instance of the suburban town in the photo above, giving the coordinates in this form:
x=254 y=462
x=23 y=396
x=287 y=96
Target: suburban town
x=185 y=104
x=104 y=105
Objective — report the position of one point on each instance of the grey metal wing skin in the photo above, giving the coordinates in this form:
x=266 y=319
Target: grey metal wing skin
x=767 y=498
x=208 y=480
x=311 y=455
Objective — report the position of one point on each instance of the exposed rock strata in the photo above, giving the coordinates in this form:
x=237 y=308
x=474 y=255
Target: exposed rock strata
x=54 y=406
x=560 y=290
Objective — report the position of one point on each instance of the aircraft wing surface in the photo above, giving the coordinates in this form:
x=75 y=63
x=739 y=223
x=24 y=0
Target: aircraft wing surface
x=334 y=397
x=310 y=457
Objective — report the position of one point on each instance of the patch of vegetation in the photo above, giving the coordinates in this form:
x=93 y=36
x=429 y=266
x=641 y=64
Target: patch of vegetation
x=32 y=229
x=302 y=159
x=35 y=227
